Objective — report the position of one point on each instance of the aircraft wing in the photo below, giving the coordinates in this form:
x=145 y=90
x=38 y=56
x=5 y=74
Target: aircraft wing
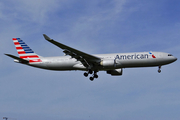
x=84 y=58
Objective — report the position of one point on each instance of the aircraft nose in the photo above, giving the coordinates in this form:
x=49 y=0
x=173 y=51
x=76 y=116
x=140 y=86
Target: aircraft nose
x=175 y=58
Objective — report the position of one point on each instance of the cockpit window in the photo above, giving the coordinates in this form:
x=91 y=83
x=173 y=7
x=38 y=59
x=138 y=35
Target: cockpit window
x=170 y=55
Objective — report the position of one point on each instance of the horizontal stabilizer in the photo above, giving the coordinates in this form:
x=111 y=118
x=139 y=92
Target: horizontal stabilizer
x=17 y=58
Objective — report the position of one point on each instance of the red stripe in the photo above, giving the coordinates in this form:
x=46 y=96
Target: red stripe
x=16 y=43
x=21 y=52
x=14 y=39
x=32 y=56
x=37 y=60
x=19 y=48
x=153 y=56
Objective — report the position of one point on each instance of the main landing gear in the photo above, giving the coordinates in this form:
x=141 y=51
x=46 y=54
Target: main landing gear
x=90 y=72
x=159 y=70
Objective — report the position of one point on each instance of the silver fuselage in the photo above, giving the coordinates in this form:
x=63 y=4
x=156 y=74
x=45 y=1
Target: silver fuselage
x=122 y=60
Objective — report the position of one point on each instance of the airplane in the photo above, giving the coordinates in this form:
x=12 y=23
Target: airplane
x=75 y=59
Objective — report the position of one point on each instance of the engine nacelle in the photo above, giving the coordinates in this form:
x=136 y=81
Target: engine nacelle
x=107 y=63
x=115 y=72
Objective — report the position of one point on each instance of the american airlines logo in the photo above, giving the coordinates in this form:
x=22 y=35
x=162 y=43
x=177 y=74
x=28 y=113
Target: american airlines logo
x=153 y=56
x=134 y=56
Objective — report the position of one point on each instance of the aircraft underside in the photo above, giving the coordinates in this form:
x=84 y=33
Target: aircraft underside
x=112 y=69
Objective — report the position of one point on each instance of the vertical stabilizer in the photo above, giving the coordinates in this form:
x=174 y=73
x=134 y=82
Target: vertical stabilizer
x=25 y=52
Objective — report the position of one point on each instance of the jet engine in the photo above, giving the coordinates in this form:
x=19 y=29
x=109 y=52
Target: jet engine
x=108 y=63
x=115 y=72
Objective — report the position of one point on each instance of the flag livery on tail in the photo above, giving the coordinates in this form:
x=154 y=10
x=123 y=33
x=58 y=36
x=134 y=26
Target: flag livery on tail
x=25 y=52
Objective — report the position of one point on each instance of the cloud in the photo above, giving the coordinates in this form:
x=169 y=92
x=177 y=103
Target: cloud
x=30 y=11
x=91 y=24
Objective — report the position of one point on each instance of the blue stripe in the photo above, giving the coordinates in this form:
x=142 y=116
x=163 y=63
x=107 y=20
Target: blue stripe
x=28 y=49
x=25 y=47
x=29 y=52
x=22 y=43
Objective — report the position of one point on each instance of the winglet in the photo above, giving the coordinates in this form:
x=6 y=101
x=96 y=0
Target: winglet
x=46 y=37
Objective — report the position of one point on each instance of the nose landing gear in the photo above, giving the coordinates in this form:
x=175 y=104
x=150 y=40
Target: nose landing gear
x=159 y=70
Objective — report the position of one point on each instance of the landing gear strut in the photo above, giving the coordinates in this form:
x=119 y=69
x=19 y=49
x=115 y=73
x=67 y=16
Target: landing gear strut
x=159 y=70
x=89 y=72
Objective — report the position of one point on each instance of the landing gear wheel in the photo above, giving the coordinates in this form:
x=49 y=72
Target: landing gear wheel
x=85 y=74
x=95 y=76
x=94 y=72
x=91 y=78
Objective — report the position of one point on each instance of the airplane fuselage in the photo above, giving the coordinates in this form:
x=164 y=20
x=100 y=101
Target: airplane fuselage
x=108 y=61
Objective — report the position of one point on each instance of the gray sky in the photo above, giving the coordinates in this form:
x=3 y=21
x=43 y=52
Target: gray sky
x=94 y=27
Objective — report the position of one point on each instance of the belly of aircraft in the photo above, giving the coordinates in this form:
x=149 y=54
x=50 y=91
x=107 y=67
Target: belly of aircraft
x=143 y=62
x=63 y=65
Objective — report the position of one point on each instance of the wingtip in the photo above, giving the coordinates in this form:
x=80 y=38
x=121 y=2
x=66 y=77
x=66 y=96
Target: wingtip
x=46 y=37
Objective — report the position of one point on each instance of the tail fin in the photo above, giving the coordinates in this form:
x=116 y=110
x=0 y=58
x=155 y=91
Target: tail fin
x=25 y=52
